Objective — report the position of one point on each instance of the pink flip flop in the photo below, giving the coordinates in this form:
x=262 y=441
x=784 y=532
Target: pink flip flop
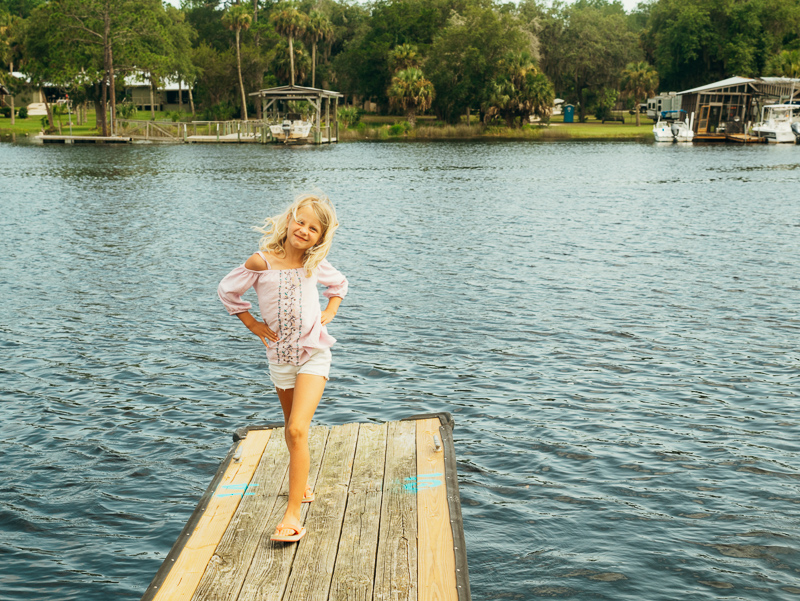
x=292 y=538
x=308 y=496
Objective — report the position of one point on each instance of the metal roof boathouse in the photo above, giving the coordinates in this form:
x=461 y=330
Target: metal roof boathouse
x=724 y=108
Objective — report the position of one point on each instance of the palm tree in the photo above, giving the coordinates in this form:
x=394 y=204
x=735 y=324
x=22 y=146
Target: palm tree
x=283 y=63
x=403 y=56
x=290 y=23
x=237 y=17
x=501 y=100
x=540 y=95
x=410 y=91
x=785 y=64
x=319 y=28
x=639 y=81
x=520 y=90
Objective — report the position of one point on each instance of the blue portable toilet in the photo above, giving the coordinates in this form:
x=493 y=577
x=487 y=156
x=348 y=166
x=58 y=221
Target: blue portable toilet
x=569 y=113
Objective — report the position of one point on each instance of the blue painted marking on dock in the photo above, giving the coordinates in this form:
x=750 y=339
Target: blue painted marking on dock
x=241 y=487
x=414 y=483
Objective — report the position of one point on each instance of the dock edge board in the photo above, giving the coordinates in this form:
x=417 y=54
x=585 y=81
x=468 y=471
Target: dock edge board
x=453 y=499
x=451 y=484
x=191 y=524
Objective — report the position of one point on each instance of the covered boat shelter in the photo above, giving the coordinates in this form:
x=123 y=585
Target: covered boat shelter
x=726 y=106
x=720 y=107
x=272 y=97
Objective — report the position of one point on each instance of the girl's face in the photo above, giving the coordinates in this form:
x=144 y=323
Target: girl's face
x=304 y=229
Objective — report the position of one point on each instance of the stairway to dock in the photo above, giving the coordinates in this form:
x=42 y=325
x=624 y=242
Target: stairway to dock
x=385 y=524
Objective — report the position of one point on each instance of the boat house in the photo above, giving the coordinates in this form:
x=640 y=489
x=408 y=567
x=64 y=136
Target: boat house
x=285 y=104
x=726 y=106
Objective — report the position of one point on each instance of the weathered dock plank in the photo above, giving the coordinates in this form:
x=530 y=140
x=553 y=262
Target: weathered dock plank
x=437 y=567
x=184 y=576
x=316 y=553
x=272 y=562
x=385 y=524
x=354 y=573
x=396 y=562
x=224 y=577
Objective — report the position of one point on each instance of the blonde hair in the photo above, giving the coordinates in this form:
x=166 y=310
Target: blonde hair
x=275 y=229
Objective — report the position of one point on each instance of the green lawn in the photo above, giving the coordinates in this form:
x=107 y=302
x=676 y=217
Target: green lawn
x=379 y=127
x=33 y=125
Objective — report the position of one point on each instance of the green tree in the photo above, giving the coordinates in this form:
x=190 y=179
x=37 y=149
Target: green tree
x=519 y=91
x=692 y=42
x=20 y=8
x=154 y=54
x=10 y=30
x=236 y=18
x=46 y=59
x=290 y=23
x=411 y=92
x=216 y=83
x=181 y=67
x=540 y=94
x=284 y=63
x=585 y=46
x=785 y=64
x=87 y=37
x=362 y=65
x=205 y=17
x=403 y=56
x=465 y=58
x=318 y=28
x=639 y=81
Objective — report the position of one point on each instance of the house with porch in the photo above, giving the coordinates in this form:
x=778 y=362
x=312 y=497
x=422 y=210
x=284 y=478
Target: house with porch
x=169 y=96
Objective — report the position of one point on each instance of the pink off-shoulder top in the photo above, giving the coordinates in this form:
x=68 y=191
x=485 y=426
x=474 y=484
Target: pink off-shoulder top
x=289 y=304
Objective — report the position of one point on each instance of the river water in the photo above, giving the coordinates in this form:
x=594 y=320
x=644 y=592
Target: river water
x=614 y=327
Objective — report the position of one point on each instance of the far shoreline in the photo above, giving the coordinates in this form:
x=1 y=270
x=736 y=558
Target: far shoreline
x=374 y=127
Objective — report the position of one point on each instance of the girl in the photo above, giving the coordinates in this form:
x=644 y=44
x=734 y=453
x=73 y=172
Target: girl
x=284 y=273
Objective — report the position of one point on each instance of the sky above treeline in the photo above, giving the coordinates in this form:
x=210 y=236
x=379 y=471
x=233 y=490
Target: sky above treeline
x=628 y=4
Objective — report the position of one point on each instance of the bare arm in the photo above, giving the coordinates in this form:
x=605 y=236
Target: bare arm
x=330 y=311
x=259 y=328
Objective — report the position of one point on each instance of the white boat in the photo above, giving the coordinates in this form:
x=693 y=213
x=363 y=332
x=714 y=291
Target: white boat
x=682 y=130
x=662 y=131
x=776 y=123
x=671 y=127
x=287 y=130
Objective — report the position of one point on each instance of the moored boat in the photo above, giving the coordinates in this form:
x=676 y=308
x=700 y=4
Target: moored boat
x=289 y=130
x=682 y=129
x=776 y=124
x=672 y=126
x=662 y=131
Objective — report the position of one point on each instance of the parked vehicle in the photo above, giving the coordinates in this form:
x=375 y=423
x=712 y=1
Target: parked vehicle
x=670 y=101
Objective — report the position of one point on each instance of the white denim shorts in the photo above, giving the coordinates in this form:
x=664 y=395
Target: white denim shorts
x=283 y=375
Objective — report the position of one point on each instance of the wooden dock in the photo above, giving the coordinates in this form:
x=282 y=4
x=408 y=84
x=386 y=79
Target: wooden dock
x=745 y=139
x=56 y=139
x=385 y=525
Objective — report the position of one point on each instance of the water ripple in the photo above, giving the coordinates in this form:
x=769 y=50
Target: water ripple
x=612 y=325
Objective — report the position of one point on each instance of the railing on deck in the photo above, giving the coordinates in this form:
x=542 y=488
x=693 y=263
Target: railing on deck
x=169 y=131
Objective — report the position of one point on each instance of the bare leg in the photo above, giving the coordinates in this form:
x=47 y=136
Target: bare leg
x=298 y=404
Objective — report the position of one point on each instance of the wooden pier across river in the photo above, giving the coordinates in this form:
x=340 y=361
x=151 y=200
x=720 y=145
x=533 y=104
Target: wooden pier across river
x=385 y=524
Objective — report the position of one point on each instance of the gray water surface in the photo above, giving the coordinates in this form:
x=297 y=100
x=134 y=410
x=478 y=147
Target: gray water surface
x=614 y=327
